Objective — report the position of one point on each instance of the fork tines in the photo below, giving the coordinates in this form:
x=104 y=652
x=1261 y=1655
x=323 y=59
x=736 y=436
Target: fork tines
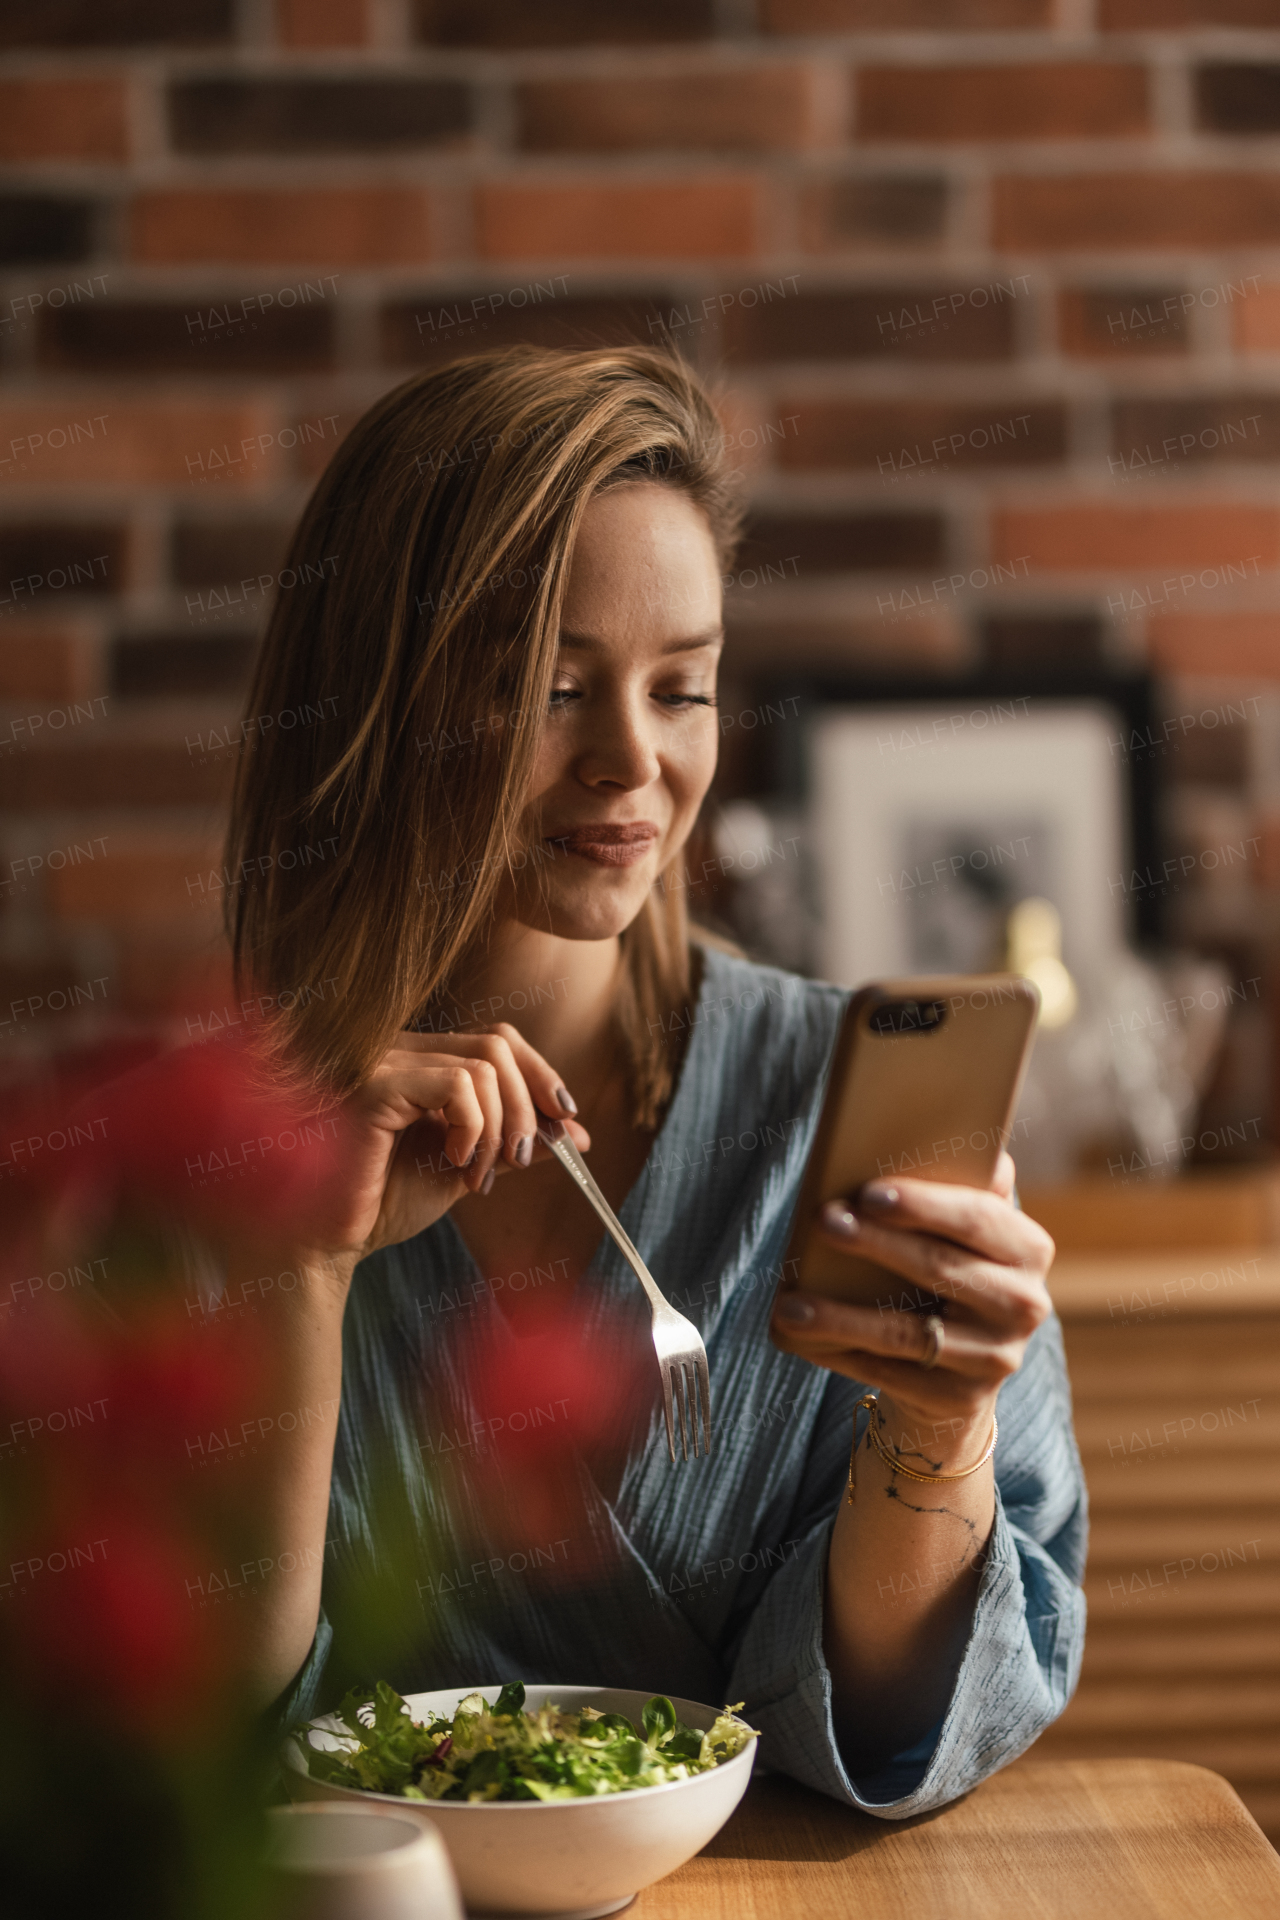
x=686 y=1392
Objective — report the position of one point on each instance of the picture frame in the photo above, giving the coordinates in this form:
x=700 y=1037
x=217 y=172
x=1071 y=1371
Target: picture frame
x=933 y=806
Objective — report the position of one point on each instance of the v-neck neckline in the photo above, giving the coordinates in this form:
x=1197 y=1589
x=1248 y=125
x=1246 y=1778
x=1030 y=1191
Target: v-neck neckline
x=599 y=1262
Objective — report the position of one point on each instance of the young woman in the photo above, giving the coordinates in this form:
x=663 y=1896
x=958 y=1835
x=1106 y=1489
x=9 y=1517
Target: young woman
x=513 y=626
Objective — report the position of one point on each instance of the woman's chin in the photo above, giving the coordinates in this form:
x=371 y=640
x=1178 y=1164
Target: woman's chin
x=598 y=911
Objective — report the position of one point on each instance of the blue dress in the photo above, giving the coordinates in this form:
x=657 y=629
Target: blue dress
x=713 y=1584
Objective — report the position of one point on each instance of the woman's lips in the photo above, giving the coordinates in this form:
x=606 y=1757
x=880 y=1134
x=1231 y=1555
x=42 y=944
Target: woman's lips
x=608 y=846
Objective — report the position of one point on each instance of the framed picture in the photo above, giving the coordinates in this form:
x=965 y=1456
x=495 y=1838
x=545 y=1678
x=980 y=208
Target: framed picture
x=928 y=823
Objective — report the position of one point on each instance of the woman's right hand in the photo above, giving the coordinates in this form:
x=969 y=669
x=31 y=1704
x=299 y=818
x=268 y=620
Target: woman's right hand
x=406 y=1138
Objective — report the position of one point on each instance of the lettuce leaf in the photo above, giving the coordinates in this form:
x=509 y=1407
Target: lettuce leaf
x=502 y=1752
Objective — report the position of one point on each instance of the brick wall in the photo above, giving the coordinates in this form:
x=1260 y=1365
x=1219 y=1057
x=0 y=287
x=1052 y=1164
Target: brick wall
x=982 y=281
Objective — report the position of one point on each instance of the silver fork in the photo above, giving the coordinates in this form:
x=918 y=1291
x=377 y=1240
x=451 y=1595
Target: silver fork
x=682 y=1358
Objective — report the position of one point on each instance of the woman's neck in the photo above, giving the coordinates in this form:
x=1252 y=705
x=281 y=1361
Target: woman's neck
x=559 y=994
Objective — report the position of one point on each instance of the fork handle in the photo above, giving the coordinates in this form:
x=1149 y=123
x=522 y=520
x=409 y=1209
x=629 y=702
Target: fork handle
x=574 y=1165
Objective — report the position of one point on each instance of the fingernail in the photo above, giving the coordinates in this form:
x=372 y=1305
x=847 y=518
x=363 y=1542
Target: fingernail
x=879 y=1195
x=796 y=1313
x=836 y=1218
x=524 y=1150
x=487 y=1183
x=566 y=1100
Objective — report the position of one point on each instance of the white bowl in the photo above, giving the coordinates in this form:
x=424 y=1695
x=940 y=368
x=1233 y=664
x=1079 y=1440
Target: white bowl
x=559 y=1859
x=334 y=1861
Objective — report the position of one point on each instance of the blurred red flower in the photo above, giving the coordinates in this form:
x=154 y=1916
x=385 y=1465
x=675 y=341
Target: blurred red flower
x=106 y=1522
x=554 y=1410
x=105 y=1624
x=201 y=1134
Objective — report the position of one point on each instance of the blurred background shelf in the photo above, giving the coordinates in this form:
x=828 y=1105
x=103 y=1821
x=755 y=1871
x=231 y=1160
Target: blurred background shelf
x=1175 y=1369
x=1098 y=1214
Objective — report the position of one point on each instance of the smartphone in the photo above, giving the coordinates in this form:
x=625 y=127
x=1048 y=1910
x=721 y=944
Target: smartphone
x=924 y=1082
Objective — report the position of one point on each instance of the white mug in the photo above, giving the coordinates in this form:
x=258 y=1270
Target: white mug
x=330 y=1862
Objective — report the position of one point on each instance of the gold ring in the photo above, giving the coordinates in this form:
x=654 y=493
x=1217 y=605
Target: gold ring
x=933 y=1326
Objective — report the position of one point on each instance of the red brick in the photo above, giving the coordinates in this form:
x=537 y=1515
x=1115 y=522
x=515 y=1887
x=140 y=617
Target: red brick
x=41 y=228
x=63 y=120
x=781 y=547
x=331 y=226
x=118 y=23
x=143 y=878
x=315 y=453
x=933 y=641
x=753 y=428
x=52 y=557
x=1130 y=16
x=185 y=664
x=1205 y=752
x=1121 y=323
x=711 y=218
x=1177 y=430
x=1059 y=100
x=1037 y=642
x=226 y=338
x=121 y=766
x=324 y=23
x=1238 y=97
x=751 y=110
x=1255 y=320
x=915 y=439
x=1243 y=645
x=560 y=23
x=1148 y=211
x=840 y=215
x=787 y=321
x=50 y=663
x=1268 y=874
x=217 y=553
x=433 y=328
x=950 y=16
x=317 y=115
x=130 y=442
x=41 y=853
x=1107 y=537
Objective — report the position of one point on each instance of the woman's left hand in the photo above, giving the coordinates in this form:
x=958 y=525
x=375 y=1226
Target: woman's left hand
x=971 y=1248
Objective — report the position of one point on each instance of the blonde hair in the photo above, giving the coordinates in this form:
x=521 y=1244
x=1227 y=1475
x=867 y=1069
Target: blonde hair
x=431 y=564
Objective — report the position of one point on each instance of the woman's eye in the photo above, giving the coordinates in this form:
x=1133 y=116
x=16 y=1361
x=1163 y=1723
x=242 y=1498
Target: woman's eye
x=560 y=697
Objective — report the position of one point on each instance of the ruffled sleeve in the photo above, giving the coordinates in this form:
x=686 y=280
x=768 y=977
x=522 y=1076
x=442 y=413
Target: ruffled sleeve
x=1022 y=1659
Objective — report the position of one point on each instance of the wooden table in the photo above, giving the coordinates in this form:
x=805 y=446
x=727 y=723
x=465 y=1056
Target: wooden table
x=1057 y=1840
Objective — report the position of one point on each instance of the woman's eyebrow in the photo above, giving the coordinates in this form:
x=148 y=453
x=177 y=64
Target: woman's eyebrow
x=590 y=643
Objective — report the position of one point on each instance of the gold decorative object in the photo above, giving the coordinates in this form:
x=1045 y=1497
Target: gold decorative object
x=1033 y=946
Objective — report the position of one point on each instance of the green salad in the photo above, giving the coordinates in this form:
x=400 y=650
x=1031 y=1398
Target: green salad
x=500 y=1752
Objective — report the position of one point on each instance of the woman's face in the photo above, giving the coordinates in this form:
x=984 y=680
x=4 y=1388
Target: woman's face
x=629 y=745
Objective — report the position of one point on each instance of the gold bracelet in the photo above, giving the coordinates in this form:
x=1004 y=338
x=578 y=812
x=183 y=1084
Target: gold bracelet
x=896 y=1466
x=871 y=1402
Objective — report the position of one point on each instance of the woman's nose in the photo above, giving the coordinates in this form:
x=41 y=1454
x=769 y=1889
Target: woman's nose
x=619 y=749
